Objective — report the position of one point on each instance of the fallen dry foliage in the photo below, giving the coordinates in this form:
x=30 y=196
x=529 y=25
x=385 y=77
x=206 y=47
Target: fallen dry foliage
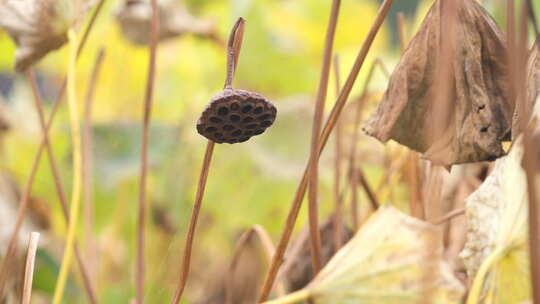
x=38 y=27
x=480 y=116
x=134 y=17
x=385 y=262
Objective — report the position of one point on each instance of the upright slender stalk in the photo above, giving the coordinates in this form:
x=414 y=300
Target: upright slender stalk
x=353 y=177
x=530 y=148
x=87 y=160
x=328 y=127
x=29 y=267
x=186 y=261
x=148 y=100
x=233 y=51
x=337 y=225
x=58 y=182
x=402 y=31
x=315 y=236
x=23 y=202
x=77 y=170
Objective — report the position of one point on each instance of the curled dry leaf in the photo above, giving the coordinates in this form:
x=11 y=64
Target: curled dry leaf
x=387 y=261
x=481 y=113
x=134 y=17
x=38 y=27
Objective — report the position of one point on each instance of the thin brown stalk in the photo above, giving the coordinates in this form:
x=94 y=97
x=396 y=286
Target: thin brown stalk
x=23 y=202
x=530 y=159
x=356 y=133
x=87 y=159
x=374 y=202
x=148 y=98
x=314 y=155
x=233 y=51
x=241 y=244
x=337 y=225
x=402 y=30
x=186 y=261
x=29 y=267
x=328 y=127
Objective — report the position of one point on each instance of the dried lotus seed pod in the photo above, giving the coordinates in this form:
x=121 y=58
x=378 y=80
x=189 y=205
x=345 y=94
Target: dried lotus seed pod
x=234 y=116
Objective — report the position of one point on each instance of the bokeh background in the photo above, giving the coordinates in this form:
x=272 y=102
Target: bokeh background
x=249 y=183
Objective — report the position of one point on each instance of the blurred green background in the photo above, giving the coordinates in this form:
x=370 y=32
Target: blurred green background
x=249 y=183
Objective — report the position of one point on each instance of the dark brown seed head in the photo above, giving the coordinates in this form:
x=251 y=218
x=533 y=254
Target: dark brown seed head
x=234 y=116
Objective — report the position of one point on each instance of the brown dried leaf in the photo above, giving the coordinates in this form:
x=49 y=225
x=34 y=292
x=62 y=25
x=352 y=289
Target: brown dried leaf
x=481 y=115
x=134 y=17
x=38 y=27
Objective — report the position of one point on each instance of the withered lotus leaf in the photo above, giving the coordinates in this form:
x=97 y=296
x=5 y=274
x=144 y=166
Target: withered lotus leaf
x=481 y=112
x=38 y=27
x=134 y=17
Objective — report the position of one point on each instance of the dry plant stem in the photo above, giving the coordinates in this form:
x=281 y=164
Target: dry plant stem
x=233 y=51
x=29 y=267
x=87 y=160
x=23 y=203
x=313 y=207
x=184 y=272
x=329 y=126
x=402 y=31
x=337 y=226
x=57 y=179
x=269 y=249
x=529 y=155
x=148 y=98
x=353 y=178
x=77 y=170
x=373 y=201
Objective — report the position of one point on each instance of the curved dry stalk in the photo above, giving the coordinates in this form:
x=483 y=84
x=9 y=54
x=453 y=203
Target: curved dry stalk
x=316 y=130
x=233 y=51
x=148 y=99
x=23 y=202
x=328 y=127
x=337 y=226
x=29 y=267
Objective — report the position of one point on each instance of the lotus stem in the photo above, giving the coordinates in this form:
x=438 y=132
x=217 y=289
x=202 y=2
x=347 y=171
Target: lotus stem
x=77 y=165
